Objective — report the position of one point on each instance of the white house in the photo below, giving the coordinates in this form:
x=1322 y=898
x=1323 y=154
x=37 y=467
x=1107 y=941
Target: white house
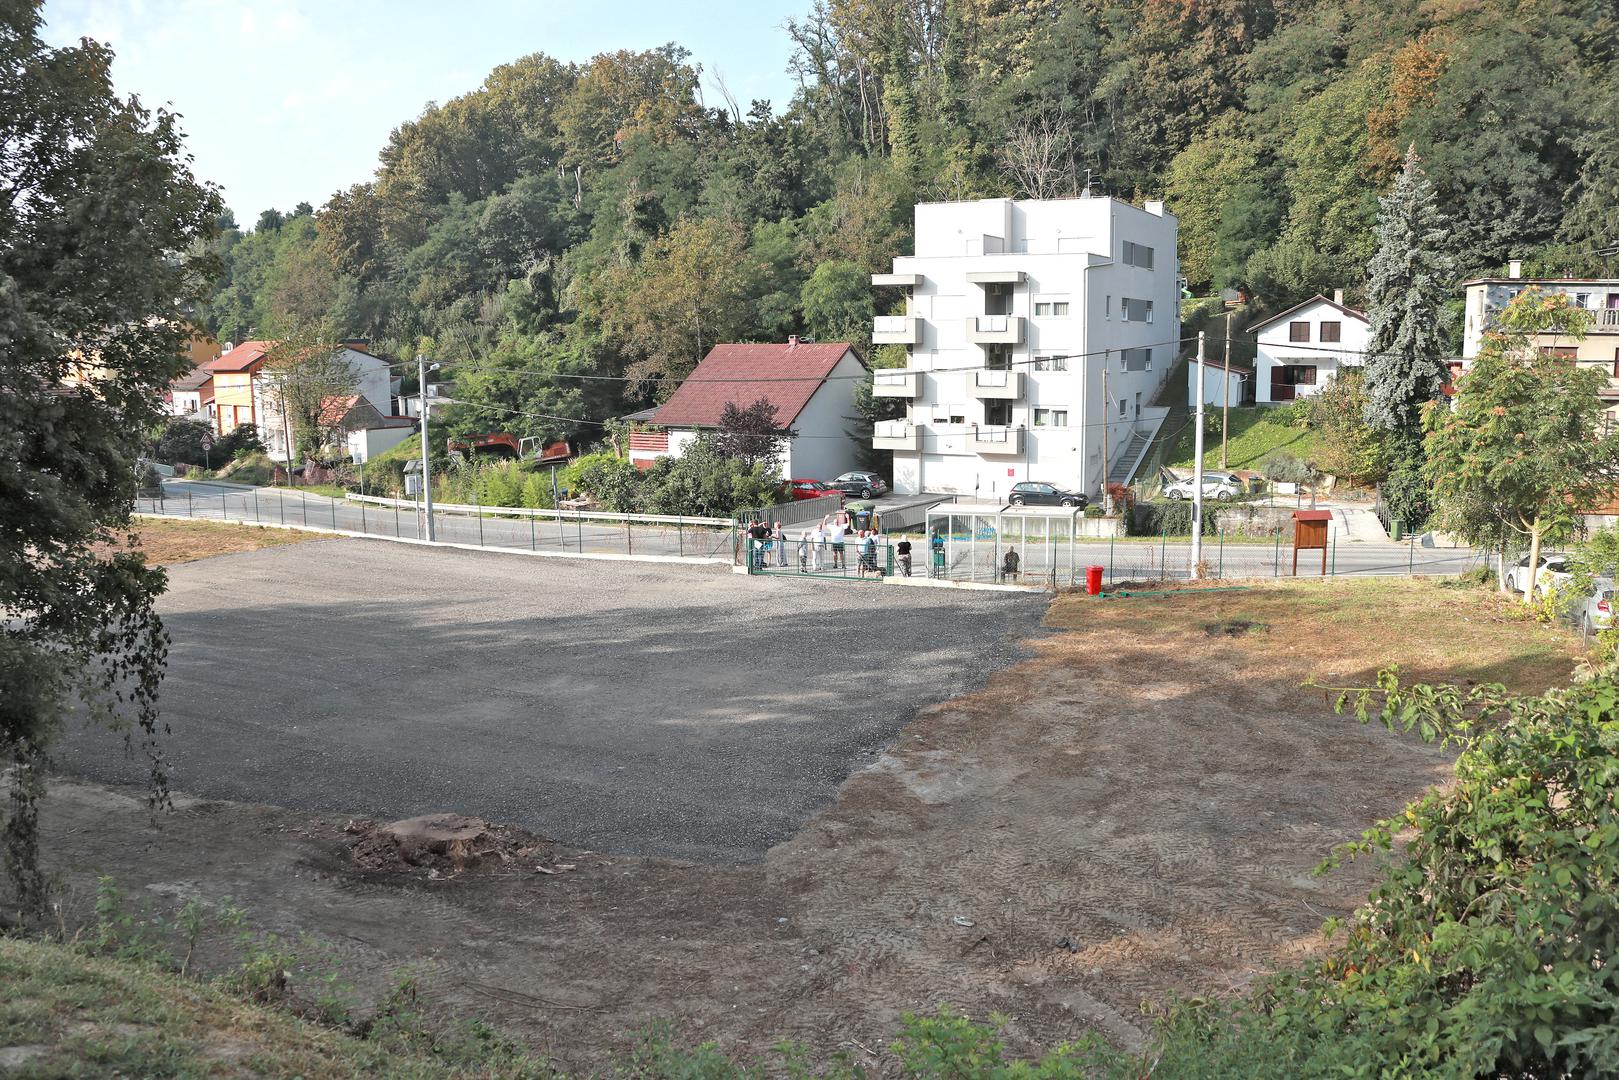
x=373 y=383
x=1038 y=333
x=811 y=384
x=192 y=394
x=1300 y=350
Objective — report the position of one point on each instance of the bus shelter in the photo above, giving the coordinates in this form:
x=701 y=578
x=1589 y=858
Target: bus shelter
x=1000 y=544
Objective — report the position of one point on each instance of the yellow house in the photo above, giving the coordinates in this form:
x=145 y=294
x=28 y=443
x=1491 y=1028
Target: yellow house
x=234 y=374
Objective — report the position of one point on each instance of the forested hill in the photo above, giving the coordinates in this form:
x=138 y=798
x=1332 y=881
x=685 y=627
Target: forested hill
x=614 y=219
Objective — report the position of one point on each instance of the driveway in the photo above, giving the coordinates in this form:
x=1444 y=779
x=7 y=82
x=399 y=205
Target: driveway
x=628 y=708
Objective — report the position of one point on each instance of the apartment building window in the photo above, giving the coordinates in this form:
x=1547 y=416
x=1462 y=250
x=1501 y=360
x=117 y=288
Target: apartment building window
x=1051 y=418
x=1138 y=255
x=1107 y=306
x=998 y=357
x=1135 y=310
x=1560 y=352
x=1136 y=359
x=997 y=413
x=1054 y=308
x=998 y=298
x=1051 y=363
x=950 y=415
x=1332 y=331
x=1298 y=331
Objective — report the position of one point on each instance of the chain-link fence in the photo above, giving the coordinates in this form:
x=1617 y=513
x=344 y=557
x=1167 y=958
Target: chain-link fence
x=509 y=528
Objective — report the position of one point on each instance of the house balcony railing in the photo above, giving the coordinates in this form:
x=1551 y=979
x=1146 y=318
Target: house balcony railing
x=997 y=385
x=988 y=439
x=896 y=330
x=995 y=329
x=894 y=384
x=1283 y=391
x=1606 y=322
x=895 y=435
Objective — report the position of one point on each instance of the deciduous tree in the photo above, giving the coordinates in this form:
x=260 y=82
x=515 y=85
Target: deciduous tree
x=103 y=238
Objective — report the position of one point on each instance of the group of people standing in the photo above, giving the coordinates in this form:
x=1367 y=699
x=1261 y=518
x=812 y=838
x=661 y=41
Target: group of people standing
x=822 y=546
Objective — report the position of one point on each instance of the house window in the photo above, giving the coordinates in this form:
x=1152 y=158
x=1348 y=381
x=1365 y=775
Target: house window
x=949 y=414
x=1107 y=306
x=1135 y=310
x=1332 y=331
x=1138 y=255
x=1560 y=352
x=1051 y=363
x=1136 y=359
x=997 y=413
x=1582 y=299
x=1051 y=418
x=1298 y=331
x=1055 y=308
x=1122 y=411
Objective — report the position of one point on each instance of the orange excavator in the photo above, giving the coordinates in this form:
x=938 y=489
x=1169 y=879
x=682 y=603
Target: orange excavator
x=501 y=444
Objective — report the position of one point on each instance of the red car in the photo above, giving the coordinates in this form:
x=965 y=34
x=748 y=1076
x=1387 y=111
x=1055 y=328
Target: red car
x=811 y=489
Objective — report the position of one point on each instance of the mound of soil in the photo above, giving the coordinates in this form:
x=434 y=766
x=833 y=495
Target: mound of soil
x=445 y=845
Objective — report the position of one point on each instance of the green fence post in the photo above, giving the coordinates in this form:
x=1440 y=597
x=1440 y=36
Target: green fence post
x=1276 y=559
x=1110 y=542
x=362 y=515
x=303 y=505
x=281 y=506
x=629 y=543
x=680 y=533
x=396 y=519
x=890 y=559
x=1411 y=558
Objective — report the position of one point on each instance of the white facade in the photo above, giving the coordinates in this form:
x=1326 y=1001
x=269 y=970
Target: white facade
x=1219 y=388
x=1013 y=309
x=1299 y=351
x=367 y=443
x=372 y=375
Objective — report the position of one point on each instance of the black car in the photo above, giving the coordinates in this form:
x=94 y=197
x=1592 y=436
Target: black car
x=1034 y=493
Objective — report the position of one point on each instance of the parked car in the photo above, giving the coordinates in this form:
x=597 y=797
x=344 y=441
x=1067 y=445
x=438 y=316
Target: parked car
x=1215 y=486
x=1596 y=610
x=811 y=489
x=862 y=485
x=1035 y=493
x=1552 y=570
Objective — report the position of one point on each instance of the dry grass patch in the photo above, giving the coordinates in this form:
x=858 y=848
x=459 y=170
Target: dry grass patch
x=1345 y=631
x=165 y=542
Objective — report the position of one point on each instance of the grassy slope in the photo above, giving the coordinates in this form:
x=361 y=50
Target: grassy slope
x=1256 y=433
x=63 y=1014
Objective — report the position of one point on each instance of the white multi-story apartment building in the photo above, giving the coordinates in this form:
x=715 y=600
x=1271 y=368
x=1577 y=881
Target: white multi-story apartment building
x=1013 y=310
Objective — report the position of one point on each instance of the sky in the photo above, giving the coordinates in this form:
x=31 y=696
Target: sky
x=288 y=101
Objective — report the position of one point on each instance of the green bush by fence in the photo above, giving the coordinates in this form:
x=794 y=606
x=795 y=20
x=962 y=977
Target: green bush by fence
x=1170 y=517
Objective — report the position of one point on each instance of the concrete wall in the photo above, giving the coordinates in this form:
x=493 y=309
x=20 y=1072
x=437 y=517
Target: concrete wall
x=1213 y=379
x=368 y=443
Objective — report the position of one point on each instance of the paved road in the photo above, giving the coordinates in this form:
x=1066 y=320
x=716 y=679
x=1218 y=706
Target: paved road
x=624 y=707
x=281 y=506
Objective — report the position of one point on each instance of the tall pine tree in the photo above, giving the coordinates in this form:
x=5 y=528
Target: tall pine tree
x=1409 y=280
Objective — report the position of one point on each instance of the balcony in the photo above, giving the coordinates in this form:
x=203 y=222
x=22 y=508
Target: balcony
x=996 y=277
x=999 y=385
x=909 y=281
x=896 y=330
x=1606 y=321
x=894 y=384
x=895 y=435
x=995 y=329
x=995 y=440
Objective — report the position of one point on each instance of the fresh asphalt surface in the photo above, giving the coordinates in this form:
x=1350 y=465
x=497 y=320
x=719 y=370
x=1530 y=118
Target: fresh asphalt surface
x=622 y=707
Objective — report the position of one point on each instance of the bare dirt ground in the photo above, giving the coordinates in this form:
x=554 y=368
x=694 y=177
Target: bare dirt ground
x=1131 y=813
x=168 y=543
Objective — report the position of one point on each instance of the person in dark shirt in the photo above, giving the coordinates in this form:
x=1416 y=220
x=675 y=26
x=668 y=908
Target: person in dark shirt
x=903 y=550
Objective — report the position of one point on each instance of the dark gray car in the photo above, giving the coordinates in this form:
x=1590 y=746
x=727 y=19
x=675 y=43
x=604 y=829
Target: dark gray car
x=1035 y=493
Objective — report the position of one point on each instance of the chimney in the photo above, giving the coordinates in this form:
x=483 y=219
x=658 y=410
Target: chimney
x=358 y=344
x=1515 y=268
x=792 y=341
x=1338 y=297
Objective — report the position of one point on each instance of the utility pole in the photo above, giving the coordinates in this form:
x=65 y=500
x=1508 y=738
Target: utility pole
x=1225 y=402
x=1197 y=462
x=427 y=477
x=1107 y=498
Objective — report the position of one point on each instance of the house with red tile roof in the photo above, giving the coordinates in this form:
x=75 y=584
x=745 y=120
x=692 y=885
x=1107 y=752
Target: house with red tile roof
x=244 y=390
x=812 y=385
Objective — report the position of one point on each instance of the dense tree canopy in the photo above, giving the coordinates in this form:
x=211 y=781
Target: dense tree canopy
x=617 y=217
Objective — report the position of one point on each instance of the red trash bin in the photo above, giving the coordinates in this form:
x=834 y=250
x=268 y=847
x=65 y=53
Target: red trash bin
x=1093 y=581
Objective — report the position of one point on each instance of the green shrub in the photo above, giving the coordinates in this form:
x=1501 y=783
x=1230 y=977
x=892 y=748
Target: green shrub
x=1171 y=517
x=1285 y=469
x=252 y=468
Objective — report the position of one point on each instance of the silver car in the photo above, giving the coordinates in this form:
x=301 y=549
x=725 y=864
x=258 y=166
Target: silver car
x=1218 y=486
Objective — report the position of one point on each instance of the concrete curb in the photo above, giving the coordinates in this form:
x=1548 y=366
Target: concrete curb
x=588 y=556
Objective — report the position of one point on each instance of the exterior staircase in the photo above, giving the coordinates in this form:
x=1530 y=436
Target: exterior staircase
x=1121 y=470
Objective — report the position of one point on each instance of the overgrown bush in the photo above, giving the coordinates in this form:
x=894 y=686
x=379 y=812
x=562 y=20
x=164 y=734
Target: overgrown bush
x=1172 y=517
x=1282 y=468
x=1349 y=448
x=180 y=443
x=251 y=468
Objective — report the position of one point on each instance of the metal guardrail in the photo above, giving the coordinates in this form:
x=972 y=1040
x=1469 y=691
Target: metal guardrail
x=554 y=515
